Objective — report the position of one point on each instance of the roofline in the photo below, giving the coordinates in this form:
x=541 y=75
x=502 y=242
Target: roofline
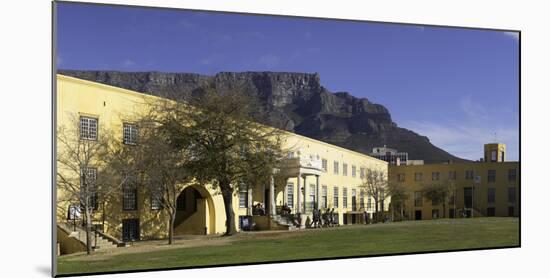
x=130 y=92
x=458 y=163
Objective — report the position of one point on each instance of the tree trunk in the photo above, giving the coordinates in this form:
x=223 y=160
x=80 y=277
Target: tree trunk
x=376 y=216
x=227 y=195
x=88 y=232
x=392 y=212
x=171 y=227
x=402 y=211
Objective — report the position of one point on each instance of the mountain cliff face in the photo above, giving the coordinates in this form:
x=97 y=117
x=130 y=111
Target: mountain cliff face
x=293 y=101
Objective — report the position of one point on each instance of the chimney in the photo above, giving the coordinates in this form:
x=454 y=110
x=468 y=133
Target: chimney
x=397 y=161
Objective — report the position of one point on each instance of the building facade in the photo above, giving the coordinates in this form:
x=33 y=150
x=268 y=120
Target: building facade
x=392 y=156
x=476 y=188
x=320 y=175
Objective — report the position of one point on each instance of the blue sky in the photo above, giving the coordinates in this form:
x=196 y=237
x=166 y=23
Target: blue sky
x=459 y=87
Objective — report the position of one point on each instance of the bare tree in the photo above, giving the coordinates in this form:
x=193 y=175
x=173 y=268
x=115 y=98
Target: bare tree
x=227 y=147
x=83 y=178
x=375 y=183
x=158 y=164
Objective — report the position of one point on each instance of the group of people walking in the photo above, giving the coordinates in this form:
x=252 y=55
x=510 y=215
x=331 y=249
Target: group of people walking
x=326 y=219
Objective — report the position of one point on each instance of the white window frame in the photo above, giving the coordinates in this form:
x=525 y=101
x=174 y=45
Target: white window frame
x=88 y=128
x=130 y=134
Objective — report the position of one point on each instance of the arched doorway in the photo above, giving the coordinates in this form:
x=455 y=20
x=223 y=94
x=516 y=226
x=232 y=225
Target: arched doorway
x=195 y=213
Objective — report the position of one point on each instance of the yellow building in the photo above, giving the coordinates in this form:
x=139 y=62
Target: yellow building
x=488 y=188
x=319 y=174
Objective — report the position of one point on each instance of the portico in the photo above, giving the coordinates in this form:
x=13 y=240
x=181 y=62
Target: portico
x=302 y=167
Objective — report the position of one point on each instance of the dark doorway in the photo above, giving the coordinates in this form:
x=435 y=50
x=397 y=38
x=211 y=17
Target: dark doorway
x=130 y=229
x=417 y=215
x=266 y=198
x=490 y=211
x=353 y=218
x=468 y=197
x=452 y=213
x=511 y=211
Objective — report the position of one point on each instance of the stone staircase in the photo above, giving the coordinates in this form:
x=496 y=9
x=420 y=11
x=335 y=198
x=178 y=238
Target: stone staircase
x=79 y=233
x=282 y=220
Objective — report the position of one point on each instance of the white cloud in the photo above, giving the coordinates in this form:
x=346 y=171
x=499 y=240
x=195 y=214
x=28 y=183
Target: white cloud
x=128 y=63
x=210 y=59
x=186 y=24
x=269 y=61
x=59 y=60
x=513 y=35
x=252 y=35
x=466 y=141
x=473 y=109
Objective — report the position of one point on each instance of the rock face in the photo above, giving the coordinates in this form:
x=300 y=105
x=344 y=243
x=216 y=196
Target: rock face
x=293 y=101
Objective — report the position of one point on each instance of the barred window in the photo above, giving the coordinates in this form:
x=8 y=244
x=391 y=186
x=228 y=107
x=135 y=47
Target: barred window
x=157 y=200
x=335 y=196
x=512 y=175
x=469 y=175
x=324 y=196
x=243 y=197
x=345 y=197
x=490 y=195
x=452 y=197
x=353 y=171
x=353 y=200
x=452 y=175
x=491 y=176
x=369 y=203
x=336 y=166
x=345 y=169
x=310 y=204
x=290 y=195
x=362 y=170
x=401 y=177
x=511 y=194
x=418 y=198
x=362 y=199
x=325 y=164
x=88 y=176
x=435 y=176
x=88 y=190
x=417 y=176
x=130 y=134
x=88 y=128
x=129 y=198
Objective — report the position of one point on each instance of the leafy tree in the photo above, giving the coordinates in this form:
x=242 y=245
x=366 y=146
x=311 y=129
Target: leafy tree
x=399 y=195
x=439 y=193
x=227 y=148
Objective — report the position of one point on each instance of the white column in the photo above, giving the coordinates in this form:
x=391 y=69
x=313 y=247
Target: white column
x=249 y=205
x=298 y=195
x=272 y=205
x=305 y=194
x=318 y=192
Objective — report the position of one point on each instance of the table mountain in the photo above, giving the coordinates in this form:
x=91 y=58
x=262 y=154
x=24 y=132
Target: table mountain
x=293 y=101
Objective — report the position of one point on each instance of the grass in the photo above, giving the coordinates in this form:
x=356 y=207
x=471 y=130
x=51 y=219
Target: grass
x=356 y=240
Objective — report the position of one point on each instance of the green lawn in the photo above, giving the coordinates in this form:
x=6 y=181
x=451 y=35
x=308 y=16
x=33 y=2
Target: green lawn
x=356 y=240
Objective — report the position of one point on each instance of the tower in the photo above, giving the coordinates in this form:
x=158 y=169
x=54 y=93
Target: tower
x=494 y=152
